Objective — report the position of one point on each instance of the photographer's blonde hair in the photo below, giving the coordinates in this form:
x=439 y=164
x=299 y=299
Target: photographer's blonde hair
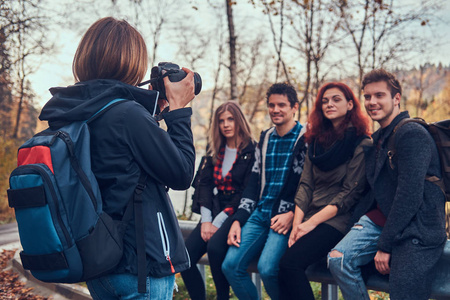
x=111 y=49
x=241 y=128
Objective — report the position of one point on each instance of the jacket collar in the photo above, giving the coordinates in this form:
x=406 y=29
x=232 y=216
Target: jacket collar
x=384 y=133
x=250 y=148
x=374 y=163
x=82 y=100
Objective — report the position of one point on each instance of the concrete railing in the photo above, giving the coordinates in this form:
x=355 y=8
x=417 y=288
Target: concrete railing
x=319 y=273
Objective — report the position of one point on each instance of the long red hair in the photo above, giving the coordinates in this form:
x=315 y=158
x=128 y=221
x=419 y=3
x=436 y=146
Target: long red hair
x=322 y=129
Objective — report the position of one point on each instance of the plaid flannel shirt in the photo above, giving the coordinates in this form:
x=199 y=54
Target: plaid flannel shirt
x=223 y=183
x=279 y=150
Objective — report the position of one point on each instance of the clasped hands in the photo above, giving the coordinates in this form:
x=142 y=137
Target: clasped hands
x=280 y=223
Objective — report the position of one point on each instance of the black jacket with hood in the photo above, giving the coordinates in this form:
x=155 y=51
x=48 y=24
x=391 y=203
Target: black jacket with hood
x=125 y=140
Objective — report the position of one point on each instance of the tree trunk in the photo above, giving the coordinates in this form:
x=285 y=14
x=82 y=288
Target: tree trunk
x=232 y=43
x=19 y=110
x=421 y=88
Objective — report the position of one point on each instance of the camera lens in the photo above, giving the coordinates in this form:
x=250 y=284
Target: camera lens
x=197 y=83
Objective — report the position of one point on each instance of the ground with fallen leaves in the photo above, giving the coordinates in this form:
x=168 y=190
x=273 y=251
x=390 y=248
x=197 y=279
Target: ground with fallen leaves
x=10 y=285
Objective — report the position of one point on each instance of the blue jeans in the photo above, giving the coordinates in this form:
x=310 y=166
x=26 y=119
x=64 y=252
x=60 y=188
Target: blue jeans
x=358 y=247
x=125 y=286
x=256 y=235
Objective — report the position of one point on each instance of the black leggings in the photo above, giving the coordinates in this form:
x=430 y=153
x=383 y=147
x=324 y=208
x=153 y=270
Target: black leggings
x=307 y=250
x=217 y=249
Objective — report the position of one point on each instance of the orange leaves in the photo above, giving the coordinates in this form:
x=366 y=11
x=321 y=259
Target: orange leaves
x=10 y=285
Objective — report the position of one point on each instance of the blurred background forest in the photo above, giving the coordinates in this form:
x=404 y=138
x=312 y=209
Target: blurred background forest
x=240 y=47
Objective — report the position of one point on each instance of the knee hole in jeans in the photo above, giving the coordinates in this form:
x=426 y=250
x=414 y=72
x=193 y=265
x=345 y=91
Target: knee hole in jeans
x=335 y=258
x=358 y=226
x=336 y=253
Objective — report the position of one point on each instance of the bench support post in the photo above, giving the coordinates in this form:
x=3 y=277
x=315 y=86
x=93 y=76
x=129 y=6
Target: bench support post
x=257 y=282
x=329 y=291
x=201 y=268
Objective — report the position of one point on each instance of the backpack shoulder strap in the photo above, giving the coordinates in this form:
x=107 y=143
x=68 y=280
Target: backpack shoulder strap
x=105 y=108
x=140 y=237
x=392 y=151
x=135 y=208
x=391 y=139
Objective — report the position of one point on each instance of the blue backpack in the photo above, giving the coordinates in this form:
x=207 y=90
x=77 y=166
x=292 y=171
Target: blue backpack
x=65 y=235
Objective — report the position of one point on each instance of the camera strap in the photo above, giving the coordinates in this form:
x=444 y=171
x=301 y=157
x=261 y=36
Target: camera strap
x=157 y=78
x=147 y=82
x=160 y=116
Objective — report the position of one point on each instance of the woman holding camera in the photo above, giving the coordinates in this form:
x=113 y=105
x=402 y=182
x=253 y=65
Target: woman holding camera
x=129 y=149
x=220 y=181
x=333 y=180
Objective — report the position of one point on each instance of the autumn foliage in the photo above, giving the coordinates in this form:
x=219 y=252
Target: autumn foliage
x=10 y=285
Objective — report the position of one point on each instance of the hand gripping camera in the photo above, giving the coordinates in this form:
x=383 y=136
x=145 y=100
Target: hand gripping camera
x=175 y=74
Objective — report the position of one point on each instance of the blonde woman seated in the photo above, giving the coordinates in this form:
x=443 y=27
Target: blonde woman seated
x=222 y=176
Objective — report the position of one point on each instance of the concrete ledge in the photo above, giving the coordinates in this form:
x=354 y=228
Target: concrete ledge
x=58 y=291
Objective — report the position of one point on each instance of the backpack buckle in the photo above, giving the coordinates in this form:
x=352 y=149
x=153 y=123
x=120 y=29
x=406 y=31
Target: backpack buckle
x=140 y=188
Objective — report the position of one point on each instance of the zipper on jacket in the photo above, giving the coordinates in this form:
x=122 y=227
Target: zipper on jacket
x=188 y=256
x=164 y=240
x=47 y=180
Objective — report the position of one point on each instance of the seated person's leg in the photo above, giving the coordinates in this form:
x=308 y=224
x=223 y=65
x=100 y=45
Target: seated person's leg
x=217 y=249
x=237 y=260
x=309 y=249
x=192 y=278
x=356 y=249
x=268 y=263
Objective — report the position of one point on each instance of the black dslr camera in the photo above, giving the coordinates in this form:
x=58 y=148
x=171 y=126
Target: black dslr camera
x=175 y=74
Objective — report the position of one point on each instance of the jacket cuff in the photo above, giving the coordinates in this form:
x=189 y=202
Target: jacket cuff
x=220 y=219
x=383 y=246
x=302 y=205
x=206 y=214
x=241 y=216
x=177 y=113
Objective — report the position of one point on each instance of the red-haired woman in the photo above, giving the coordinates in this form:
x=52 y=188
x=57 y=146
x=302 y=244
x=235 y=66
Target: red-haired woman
x=333 y=180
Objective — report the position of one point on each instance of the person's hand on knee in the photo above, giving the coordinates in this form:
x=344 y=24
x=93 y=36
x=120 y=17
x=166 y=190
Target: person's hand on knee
x=382 y=262
x=234 y=235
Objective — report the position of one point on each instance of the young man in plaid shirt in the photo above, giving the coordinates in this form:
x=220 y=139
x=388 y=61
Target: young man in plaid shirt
x=267 y=203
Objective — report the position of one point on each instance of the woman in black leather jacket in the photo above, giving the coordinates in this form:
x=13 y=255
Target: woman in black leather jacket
x=221 y=178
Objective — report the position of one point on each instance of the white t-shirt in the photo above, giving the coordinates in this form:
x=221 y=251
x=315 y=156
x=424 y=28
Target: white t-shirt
x=228 y=160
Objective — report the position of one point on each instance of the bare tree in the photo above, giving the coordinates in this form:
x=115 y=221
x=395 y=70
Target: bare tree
x=421 y=88
x=276 y=8
x=216 y=88
x=6 y=28
x=200 y=45
x=250 y=56
x=28 y=33
x=314 y=32
x=5 y=31
x=152 y=18
x=232 y=45
x=382 y=32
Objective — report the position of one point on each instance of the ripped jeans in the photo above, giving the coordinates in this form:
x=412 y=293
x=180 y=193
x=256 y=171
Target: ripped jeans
x=358 y=248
